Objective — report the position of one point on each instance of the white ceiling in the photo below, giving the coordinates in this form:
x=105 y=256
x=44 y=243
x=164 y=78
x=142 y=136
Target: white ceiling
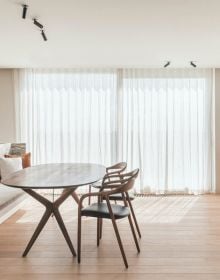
x=112 y=33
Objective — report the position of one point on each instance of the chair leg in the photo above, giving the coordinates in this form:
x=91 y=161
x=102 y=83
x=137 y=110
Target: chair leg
x=117 y=233
x=100 y=221
x=79 y=237
x=134 y=234
x=100 y=228
x=126 y=199
x=98 y=231
x=133 y=215
x=89 y=198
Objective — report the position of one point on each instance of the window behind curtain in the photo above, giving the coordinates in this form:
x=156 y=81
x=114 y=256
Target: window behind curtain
x=167 y=129
x=158 y=120
x=69 y=115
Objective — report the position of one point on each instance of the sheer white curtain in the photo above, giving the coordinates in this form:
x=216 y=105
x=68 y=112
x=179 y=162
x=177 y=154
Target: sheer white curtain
x=67 y=115
x=159 y=120
x=167 y=128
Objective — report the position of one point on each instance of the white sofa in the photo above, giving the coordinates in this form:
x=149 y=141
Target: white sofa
x=10 y=198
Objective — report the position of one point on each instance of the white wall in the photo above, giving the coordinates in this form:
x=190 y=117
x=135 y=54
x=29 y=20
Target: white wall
x=7 y=112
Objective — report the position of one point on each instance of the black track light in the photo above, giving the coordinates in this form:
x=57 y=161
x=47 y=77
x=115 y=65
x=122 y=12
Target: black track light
x=24 y=12
x=43 y=35
x=167 y=64
x=193 y=64
x=38 y=24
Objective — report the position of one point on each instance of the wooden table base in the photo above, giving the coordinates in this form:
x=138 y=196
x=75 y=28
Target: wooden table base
x=51 y=208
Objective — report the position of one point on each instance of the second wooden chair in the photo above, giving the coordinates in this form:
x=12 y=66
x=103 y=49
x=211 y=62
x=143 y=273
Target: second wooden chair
x=102 y=210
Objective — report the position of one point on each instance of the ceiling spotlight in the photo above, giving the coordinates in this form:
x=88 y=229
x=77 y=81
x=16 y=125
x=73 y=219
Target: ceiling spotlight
x=193 y=64
x=167 y=64
x=38 y=24
x=43 y=35
x=24 y=12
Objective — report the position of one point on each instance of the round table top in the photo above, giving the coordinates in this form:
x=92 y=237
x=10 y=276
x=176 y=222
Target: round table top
x=56 y=175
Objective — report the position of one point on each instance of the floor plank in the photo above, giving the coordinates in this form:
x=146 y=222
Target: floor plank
x=181 y=240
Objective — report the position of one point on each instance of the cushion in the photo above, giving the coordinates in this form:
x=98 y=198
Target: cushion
x=5 y=148
x=118 y=196
x=9 y=166
x=26 y=159
x=18 y=149
x=100 y=210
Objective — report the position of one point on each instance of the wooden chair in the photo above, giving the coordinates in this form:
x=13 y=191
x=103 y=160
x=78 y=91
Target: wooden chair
x=117 y=169
x=129 y=197
x=101 y=210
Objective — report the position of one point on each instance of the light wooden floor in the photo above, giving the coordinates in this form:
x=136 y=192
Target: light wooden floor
x=181 y=240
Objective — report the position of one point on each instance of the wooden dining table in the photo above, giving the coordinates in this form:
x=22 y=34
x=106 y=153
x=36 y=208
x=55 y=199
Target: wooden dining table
x=66 y=176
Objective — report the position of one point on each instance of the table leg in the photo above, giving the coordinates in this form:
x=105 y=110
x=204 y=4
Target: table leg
x=64 y=231
x=51 y=208
x=75 y=197
x=39 y=228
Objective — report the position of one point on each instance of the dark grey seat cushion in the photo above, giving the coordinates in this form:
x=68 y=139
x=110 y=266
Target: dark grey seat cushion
x=118 y=197
x=8 y=195
x=100 y=210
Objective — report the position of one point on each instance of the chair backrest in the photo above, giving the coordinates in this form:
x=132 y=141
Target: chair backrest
x=116 y=168
x=122 y=183
x=134 y=173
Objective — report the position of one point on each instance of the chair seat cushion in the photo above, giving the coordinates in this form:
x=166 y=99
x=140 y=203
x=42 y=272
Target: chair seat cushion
x=100 y=210
x=118 y=197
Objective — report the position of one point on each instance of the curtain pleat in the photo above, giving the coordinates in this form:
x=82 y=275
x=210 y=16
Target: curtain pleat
x=68 y=116
x=167 y=129
x=159 y=120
